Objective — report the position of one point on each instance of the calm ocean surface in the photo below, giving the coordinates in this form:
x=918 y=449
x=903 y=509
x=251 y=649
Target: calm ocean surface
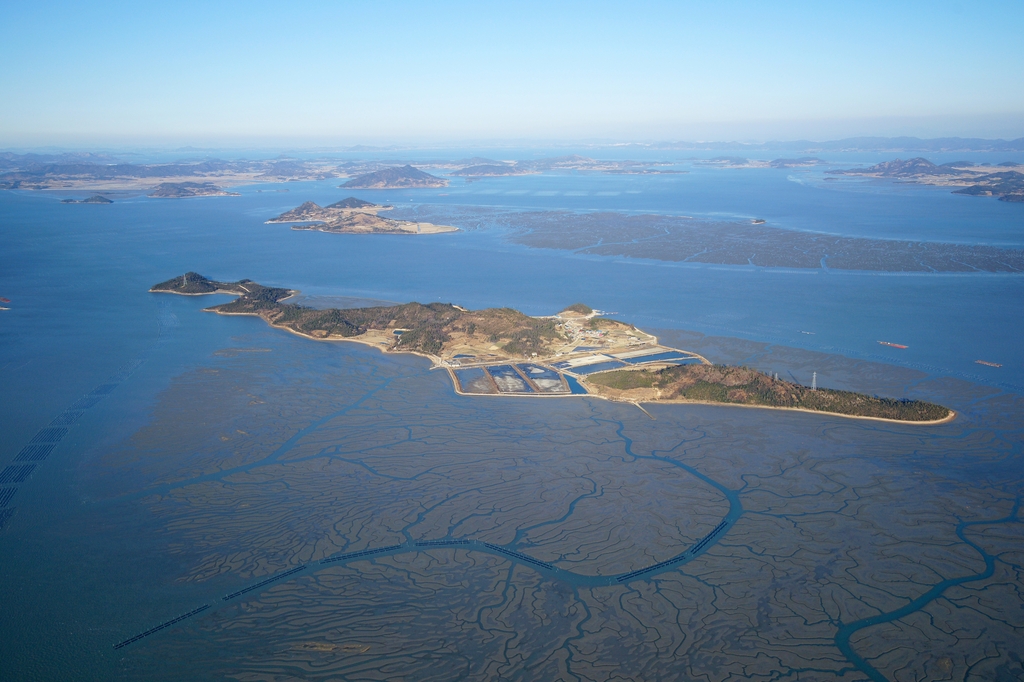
x=77 y=277
x=78 y=274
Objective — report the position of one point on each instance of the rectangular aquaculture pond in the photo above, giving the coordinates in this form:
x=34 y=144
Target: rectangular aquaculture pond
x=508 y=379
x=547 y=380
x=474 y=380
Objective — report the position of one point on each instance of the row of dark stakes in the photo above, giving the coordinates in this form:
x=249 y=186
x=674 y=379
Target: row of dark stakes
x=250 y=588
x=693 y=551
x=48 y=437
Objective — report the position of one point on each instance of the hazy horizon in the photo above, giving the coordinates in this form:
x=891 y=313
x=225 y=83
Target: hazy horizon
x=456 y=74
x=301 y=146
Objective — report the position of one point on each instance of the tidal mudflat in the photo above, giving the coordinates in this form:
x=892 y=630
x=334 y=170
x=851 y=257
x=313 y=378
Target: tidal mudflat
x=342 y=514
x=251 y=504
x=701 y=240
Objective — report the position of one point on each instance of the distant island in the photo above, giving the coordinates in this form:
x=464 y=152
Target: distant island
x=494 y=170
x=106 y=172
x=486 y=168
x=182 y=190
x=645 y=171
x=853 y=144
x=353 y=216
x=95 y=199
x=395 y=178
x=501 y=351
x=741 y=162
x=980 y=181
x=802 y=162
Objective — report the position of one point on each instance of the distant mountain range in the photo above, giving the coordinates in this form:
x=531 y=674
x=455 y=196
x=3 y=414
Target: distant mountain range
x=858 y=144
x=105 y=172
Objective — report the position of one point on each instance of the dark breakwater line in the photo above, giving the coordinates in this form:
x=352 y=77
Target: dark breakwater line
x=160 y=627
x=846 y=631
x=518 y=555
x=262 y=583
x=365 y=552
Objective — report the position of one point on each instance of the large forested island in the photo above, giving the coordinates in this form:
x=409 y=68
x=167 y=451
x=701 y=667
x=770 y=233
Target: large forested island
x=440 y=330
x=395 y=178
x=516 y=354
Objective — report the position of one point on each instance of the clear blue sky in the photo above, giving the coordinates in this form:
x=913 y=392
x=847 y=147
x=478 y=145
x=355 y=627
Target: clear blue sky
x=346 y=72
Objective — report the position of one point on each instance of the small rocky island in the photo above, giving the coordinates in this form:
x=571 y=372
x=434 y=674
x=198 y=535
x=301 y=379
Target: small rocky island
x=353 y=216
x=501 y=351
x=403 y=177
x=95 y=199
x=183 y=190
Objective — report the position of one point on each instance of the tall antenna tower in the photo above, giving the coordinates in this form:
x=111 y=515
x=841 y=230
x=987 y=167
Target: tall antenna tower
x=814 y=381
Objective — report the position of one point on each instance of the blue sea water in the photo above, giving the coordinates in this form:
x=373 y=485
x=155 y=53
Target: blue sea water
x=77 y=277
x=799 y=199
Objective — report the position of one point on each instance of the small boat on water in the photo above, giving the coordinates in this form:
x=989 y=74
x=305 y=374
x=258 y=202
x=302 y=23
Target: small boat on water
x=987 y=364
x=4 y=300
x=893 y=345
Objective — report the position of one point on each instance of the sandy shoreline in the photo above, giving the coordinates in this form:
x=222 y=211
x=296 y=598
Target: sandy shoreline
x=945 y=420
x=201 y=293
x=420 y=229
x=436 y=361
